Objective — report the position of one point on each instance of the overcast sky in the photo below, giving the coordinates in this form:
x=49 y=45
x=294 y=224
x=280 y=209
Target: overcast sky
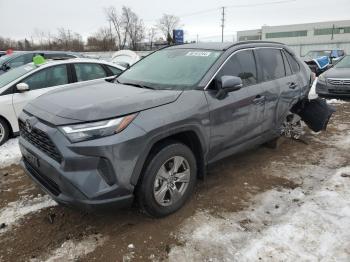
x=19 y=18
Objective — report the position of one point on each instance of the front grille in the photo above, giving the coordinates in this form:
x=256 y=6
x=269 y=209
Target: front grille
x=339 y=82
x=338 y=91
x=40 y=140
x=48 y=183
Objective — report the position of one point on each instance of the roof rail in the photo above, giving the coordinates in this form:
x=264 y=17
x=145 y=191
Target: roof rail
x=254 y=42
x=60 y=58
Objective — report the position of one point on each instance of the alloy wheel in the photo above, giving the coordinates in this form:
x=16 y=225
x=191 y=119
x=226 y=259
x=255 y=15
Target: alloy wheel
x=171 y=181
x=2 y=132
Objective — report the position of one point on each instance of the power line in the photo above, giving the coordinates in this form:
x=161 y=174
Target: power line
x=237 y=6
x=229 y=6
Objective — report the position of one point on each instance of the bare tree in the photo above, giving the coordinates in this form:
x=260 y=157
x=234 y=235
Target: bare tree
x=117 y=21
x=68 y=40
x=167 y=24
x=134 y=27
x=151 y=36
x=39 y=37
x=65 y=39
x=101 y=40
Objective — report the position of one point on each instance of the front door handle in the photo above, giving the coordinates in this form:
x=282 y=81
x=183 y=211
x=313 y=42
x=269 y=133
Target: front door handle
x=259 y=99
x=292 y=85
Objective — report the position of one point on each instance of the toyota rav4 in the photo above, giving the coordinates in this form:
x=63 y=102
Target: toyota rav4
x=150 y=133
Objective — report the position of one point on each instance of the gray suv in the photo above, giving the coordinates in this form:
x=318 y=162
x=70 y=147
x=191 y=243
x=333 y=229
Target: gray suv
x=150 y=133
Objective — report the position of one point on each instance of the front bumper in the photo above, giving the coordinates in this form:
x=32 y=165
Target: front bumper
x=326 y=90
x=69 y=200
x=91 y=175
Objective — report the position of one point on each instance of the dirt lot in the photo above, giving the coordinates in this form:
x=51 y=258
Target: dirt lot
x=46 y=231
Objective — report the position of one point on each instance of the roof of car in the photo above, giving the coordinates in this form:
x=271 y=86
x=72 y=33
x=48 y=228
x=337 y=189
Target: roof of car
x=219 y=46
x=19 y=53
x=46 y=52
x=79 y=60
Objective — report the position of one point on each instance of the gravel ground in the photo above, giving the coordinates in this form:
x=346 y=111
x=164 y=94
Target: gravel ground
x=284 y=204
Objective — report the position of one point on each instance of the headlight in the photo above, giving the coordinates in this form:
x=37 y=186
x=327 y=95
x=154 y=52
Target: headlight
x=322 y=78
x=87 y=131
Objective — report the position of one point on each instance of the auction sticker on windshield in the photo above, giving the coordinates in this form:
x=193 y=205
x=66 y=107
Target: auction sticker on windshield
x=198 y=53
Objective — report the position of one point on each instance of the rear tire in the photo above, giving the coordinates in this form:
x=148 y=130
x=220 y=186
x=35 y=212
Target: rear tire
x=168 y=180
x=4 y=131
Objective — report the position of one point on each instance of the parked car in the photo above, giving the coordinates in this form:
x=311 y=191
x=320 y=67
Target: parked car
x=151 y=133
x=20 y=58
x=24 y=83
x=127 y=58
x=2 y=53
x=336 y=81
x=320 y=61
x=333 y=55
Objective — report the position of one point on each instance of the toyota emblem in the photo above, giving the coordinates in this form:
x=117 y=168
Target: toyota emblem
x=29 y=127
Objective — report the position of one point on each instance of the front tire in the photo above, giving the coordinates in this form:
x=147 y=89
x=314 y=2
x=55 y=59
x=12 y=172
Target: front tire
x=4 y=131
x=168 y=180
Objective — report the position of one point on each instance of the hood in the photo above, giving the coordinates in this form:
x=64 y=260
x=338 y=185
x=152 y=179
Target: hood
x=95 y=101
x=338 y=73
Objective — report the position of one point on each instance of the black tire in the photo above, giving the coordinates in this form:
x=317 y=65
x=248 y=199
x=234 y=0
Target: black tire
x=4 y=131
x=145 y=190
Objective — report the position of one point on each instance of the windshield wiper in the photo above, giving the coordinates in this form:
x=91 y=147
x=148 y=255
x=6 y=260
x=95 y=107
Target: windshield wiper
x=137 y=85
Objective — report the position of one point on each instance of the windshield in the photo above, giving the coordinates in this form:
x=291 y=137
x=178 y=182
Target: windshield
x=13 y=74
x=171 y=68
x=316 y=54
x=4 y=58
x=344 y=63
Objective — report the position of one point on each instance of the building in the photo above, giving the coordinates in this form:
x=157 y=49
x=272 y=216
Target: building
x=304 y=37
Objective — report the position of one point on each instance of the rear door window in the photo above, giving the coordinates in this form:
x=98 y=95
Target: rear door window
x=88 y=71
x=271 y=64
x=287 y=65
x=241 y=64
x=293 y=63
x=48 y=77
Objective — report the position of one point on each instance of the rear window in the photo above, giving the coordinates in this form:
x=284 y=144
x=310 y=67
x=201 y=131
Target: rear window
x=87 y=71
x=115 y=71
x=270 y=64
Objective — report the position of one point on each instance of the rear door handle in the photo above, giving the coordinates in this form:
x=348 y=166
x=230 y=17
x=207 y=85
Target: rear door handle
x=259 y=99
x=292 y=85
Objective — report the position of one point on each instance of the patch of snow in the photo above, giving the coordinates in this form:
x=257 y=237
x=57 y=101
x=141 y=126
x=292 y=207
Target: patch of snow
x=341 y=141
x=15 y=211
x=282 y=225
x=336 y=101
x=312 y=93
x=73 y=250
x=9 y=153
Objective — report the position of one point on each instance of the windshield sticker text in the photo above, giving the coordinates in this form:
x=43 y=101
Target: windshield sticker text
x=198 y=54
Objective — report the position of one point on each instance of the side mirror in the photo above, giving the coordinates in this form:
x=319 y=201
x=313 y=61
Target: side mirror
x=229 y=84
x=22 y=87
x=4 y=67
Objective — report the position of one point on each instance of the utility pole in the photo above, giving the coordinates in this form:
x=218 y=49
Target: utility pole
x=333 y=32
x=197 y=38
x=222 y=24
